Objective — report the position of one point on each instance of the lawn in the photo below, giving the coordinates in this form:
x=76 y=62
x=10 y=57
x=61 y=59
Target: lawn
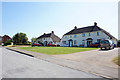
x=56 y=50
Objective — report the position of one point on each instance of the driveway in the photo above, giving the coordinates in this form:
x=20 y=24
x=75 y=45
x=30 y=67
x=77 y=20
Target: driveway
x=95 y=61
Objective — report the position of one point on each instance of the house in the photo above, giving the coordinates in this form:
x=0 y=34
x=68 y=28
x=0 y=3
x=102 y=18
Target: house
x=85 y=36
x=48 y=38
x=0 y=40
x=5 y=38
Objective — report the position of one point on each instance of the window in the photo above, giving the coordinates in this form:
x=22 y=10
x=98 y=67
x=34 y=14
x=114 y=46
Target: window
x=97 y=33
x=44 y=38
x=75 y=42
x=83 y=42
x=75 y=36
x=89 y=34
x=83 y=35
x=70 y=36
x=64 y=42
x=65 y=36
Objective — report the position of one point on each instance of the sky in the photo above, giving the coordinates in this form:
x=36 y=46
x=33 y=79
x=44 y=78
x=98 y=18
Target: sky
x=37 y=18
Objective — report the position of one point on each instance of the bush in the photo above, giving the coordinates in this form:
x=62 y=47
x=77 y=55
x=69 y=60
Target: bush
x=7 y=43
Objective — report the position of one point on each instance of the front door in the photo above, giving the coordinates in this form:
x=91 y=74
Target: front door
x=45 y=43
x=70 y=43
x=88 y=43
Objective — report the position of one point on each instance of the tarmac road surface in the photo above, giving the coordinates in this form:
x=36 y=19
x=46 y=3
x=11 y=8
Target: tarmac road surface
x=16 y=65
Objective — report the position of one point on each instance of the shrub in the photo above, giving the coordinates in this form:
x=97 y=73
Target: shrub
x=116 y=60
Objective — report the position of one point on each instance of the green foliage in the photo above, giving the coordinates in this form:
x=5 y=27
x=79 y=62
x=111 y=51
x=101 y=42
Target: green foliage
x=20 y=39
x=7 y=42
x=29 y=43
x=33 y=39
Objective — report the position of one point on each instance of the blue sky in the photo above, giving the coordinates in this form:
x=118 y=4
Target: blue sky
x=36 y=18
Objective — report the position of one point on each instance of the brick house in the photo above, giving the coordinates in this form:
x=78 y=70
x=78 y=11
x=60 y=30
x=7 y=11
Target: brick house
x=5 y=38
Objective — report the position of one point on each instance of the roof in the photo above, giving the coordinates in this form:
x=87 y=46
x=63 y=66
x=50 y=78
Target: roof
x=107 y=33
x=44 y=35
x=6 y=36
x=88 y=29
x=84 y=29
x=51 y=35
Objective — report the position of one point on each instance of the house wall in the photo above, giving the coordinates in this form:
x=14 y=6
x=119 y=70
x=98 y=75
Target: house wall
x=48 y=39
x=79 y=38
x=5 y=38
x=115 y=41
x=42 y=40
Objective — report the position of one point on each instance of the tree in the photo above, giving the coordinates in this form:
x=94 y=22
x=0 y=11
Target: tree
x=20 y=38
x=7 y=42
x=33 y=40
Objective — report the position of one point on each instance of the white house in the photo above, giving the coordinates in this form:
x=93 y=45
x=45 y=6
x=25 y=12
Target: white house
x=48 y=38
x=85 y=36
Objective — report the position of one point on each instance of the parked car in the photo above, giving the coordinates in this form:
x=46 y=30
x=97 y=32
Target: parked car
x=36 y=44
x=96 y=44
x=106 y=44
x=51 y=44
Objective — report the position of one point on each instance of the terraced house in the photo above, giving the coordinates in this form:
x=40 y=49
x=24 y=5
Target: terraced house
x=48 y=38
x=85 y=36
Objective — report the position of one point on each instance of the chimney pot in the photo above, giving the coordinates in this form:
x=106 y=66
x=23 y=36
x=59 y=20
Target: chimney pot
x=52 y=31
x=95 y=24
x=75 y=27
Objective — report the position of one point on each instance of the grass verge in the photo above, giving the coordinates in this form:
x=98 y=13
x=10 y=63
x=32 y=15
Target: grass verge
x=116 y=60
x=56 y=50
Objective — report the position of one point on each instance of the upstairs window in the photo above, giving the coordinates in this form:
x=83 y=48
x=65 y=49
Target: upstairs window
x=65 y=36
x=83 y=35
x=75 y=36
x=89 y=34
x=97 y=33
x=70 y=36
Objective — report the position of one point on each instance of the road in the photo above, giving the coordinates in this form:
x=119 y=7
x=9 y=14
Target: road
x=16 y=65
x=95 y=61
x=0 y=63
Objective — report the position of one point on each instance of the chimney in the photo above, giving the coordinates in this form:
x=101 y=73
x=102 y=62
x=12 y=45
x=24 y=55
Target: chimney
x=95 y=24
x=75 y=27
x=53 y=32
x=44 y=33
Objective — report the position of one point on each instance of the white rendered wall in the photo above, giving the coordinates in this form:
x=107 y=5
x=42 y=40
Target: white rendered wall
x=79 y=38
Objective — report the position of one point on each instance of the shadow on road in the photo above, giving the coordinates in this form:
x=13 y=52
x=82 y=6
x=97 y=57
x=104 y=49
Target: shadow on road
x=105 y=50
